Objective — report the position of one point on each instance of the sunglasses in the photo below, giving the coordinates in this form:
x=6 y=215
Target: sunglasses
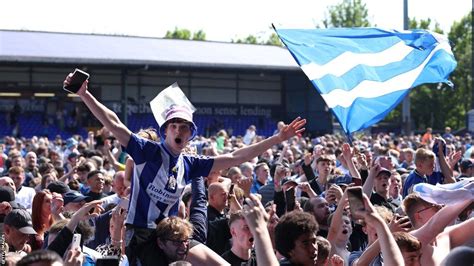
x=438 y=207
x=179 y=242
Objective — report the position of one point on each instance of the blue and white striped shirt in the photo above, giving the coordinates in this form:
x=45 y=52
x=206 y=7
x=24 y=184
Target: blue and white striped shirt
x=158 y=180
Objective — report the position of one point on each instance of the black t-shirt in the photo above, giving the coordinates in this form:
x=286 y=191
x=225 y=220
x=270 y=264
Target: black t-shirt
x=376 y=199
x=218 y=235
x=323 y=233
x=95 y=196
x=213 y=214
x=234 y=260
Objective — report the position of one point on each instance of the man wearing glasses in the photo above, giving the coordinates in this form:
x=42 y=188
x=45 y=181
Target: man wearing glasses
x=173 y=241
x=432 y=227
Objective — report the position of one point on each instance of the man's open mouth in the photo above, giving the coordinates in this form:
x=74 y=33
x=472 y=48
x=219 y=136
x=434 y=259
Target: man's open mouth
x=178 y=140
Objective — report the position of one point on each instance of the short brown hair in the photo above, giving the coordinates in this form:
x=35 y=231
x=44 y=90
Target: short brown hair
x=410 y=204
x=259 y=165
x=173 y=228
x=16 y=170
x=324 y=158
x=324 y=247
x=234 y=216
x=407 y=242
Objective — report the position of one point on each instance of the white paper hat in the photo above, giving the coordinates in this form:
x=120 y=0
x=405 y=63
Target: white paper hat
x=172 y=103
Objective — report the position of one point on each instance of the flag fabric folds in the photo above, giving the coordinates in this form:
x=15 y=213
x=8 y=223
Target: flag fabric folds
x=363 y=73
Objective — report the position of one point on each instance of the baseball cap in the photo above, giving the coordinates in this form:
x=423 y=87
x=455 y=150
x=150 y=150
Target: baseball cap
x=73 y=196
x=7 y=194
x=58 y=187
x=384 y=171
x=290 y=180
x=21 y=220
x=466 y=164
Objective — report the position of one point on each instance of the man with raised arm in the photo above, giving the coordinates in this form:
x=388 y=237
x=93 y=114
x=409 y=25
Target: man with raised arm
x=161 y=171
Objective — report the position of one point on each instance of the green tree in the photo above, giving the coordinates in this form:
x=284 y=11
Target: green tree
x=182 y=34
x=274 y=40
x=185 y=34
x=250 y=39
x=199 y=35
x=349 y=13
x=438 y=105
x=460 y=35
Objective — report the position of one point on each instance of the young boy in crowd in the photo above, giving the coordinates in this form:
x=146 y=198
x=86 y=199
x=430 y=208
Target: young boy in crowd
x=425 y=164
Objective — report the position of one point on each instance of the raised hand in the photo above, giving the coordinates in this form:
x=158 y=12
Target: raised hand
x=346 y=151
x=245 y=184
x=454 y=158
x=336 y=260
x=306 y=187
x=375 y=169
x=74 y=257
x=255 y=214
x=295 y=128
x=83 y=88
x=400 y=224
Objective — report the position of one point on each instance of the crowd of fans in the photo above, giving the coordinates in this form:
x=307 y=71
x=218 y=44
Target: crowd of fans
x=286 y=206
x=170 y=197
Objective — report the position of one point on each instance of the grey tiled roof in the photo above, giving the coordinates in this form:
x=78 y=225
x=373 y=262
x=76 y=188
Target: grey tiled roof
x=49 y=47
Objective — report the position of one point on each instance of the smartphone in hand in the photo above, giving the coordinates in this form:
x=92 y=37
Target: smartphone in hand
x=77 y=78
x=108 y=261
x=356 y=203
x=290 y=199
x=76 y=241
x=231 y=191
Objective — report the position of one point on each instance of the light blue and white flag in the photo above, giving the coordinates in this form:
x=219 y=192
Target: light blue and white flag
x=446 y=193
x=363 y=73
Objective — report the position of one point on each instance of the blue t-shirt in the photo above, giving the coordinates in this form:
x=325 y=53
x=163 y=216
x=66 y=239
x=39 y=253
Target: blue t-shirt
x=415 y=178
x=412 y=179
x=158 y=180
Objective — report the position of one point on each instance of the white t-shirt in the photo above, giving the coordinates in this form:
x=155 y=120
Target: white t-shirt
x=25 y=196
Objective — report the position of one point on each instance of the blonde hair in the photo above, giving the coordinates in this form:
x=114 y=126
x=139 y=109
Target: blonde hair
x=422 y=155
x=385 y=213
x=148 y=133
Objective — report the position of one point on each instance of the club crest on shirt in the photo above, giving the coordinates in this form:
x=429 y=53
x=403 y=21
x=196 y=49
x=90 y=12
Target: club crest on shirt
x=171 y=182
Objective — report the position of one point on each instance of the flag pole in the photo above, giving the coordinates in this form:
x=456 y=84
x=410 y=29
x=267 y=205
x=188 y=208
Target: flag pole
x=406 y=114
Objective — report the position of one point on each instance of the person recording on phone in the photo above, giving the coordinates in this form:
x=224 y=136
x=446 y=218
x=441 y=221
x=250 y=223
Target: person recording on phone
x=161 y=171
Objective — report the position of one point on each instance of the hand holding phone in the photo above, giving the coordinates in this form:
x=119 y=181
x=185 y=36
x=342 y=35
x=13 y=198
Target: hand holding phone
x=290 y=199
x=76 y=241
x=76 y=81
x=356 y=203
x=124 y=203
x=231 y=191
x=108 y=261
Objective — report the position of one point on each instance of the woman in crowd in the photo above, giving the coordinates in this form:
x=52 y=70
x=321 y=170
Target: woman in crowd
x=41 y=217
